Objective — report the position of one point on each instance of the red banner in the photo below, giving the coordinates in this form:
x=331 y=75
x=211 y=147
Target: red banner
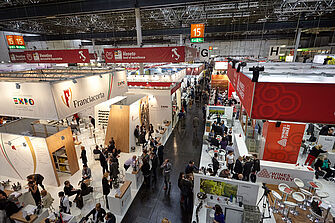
x=298 y=102
x=244 y=87
x=17 y=57
x=282 y=144
x=58 y=56
x=145 y=54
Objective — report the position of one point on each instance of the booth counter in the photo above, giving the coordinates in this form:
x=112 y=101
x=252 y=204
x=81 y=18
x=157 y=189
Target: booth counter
x=276 y=173
x=136 y=178
x=121 y=199
x=19 y=217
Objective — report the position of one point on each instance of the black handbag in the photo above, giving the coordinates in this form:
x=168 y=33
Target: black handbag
x=319 y=173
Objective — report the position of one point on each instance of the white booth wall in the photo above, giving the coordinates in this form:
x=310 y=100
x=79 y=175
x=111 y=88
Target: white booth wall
x=134 y=119
x=160 y=104
x=22 y=160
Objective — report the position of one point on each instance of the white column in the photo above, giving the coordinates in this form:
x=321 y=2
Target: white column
x=139 y=33
x=297 y=41
x=181 y=42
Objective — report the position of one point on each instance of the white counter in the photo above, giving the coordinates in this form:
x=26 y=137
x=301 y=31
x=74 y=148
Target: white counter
x=119 y=203
x=136 y=178
x=276 y=173
x=240 y=148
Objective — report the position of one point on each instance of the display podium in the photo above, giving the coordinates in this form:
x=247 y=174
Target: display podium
x=136 y=178
x=120 y=200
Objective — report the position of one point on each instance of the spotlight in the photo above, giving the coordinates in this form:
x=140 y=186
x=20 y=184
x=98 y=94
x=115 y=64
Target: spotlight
x=18 y=86
x=255 y=73
x=74 y=81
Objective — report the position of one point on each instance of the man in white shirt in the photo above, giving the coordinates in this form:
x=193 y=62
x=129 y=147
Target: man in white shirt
x=64 y=203
x=230 y=161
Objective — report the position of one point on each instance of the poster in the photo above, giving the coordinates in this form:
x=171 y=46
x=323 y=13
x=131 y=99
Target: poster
x=282 y=144
x=144 y=112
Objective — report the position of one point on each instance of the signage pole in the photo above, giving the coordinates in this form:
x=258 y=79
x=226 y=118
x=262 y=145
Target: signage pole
x=94 y=52
x=139 y=33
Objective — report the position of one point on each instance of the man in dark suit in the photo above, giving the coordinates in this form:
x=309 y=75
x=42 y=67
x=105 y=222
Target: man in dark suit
x=238 y=168
x=110 y=218
x=103 y=162
x=247 y=169
x=216 y=164
x=98 y=213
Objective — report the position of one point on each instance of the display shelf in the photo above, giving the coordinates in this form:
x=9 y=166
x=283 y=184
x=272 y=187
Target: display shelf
x=61 y=161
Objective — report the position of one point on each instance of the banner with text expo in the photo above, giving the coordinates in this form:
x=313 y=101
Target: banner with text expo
x=58 y=56
x=149 y=54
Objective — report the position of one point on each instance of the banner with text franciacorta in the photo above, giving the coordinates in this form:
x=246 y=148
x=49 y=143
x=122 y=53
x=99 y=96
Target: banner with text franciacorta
x=148 y=54
x=58 y=56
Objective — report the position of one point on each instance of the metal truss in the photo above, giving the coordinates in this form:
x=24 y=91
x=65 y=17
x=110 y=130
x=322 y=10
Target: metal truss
x=309 y=7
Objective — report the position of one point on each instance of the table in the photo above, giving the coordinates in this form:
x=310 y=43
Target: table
x=276 y=173
x=313 y=187
x=18 y=217
x=136 y=177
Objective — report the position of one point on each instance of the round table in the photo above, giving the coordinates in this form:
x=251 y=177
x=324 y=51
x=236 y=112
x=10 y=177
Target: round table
x=313 y=187
x=322 y=194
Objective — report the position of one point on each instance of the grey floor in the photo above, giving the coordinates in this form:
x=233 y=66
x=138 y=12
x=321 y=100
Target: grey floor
x=152 y=205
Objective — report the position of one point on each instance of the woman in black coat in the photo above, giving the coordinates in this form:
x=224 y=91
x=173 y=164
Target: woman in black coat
x=146 y=172
x=83 y=155
x=317 y=166
x=106 y=187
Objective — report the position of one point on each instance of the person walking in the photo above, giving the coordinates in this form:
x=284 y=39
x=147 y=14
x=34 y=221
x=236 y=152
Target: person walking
x=106 y=187
x=313 y=154
x=83 y=155
x=160 y=153
x=92 y=120
x=196 y=123
x=167 y=168
x=154 y=165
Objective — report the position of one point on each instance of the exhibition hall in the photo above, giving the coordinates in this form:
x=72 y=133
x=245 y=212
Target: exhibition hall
x=176 y=111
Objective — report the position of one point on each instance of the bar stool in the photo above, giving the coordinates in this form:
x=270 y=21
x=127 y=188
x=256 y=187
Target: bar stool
x=314 y=217
x=290 y=206
x=285 y=189
x=299 y=198
x=306 y=202
x=278 y=199
x=299 y=183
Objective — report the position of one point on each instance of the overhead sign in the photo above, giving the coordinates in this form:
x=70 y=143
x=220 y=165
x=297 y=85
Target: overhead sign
x=145 y=54
x=197 y=31
x=274 y=52
x=197 y=40
x=58 y=56
x=17 y=57
x=15 y=42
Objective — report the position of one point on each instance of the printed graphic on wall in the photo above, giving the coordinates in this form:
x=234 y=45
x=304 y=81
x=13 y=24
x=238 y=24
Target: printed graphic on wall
x=218 y=188
x=144 y=112
x=282 y=144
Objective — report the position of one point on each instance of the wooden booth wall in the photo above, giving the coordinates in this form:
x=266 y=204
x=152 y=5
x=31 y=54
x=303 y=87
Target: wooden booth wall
x=118 y=127
x=56 y=142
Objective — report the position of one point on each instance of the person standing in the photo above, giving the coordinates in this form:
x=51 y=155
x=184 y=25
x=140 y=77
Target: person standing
x=167 y=168
x=137 y=134
x=98 y=213
x=37 y=178
x=196 y=123
x=151 y=130
x=114 y=168
x=313 y=154
x=256 y=167
x=35 y=192
x=160 y=153
x=238 y=168
x=154 y=165
x=216 y=164
x=130 y=162
x=191 y=168
x=110 y=218
x=103 y=162
x=92 y=120
x=64 y=203
x=106 y=187
x=187 y=192
x=146 y=172
x=83 y=155
x=218 y=215
x=230 y=161
x=247 y=169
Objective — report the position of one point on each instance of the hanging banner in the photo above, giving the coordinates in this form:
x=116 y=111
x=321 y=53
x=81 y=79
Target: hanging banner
x=146 y=55
x=17 y=57
x=58 y=56
x=282 y=144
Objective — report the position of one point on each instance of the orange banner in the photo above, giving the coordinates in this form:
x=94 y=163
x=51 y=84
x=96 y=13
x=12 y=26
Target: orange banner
x=283 y=142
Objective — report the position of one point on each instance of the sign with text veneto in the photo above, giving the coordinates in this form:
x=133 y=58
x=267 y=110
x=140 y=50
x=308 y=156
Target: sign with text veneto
x=282 y=144
x=145 y=54
x=58 y=56
x=17 y=57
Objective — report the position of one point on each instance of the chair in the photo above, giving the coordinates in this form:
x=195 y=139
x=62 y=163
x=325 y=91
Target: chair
x=299 y=198
x=308 y=195
x=290 y=206
x=314 y=217
x=98 y=197
x=278 y=199
x=299 y=183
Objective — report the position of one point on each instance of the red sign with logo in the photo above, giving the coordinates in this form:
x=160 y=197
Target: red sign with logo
x=10 y=40
x=17 y=57
x=299 y=102
x=244 y=87
x=58 y=56
x=146 y=54
x=19 y=40
x=282 y=144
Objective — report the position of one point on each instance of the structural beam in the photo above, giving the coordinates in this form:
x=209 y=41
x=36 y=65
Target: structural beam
x=185 y=31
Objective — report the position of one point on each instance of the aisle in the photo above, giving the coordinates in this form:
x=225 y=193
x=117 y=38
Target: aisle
x=152 y=205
